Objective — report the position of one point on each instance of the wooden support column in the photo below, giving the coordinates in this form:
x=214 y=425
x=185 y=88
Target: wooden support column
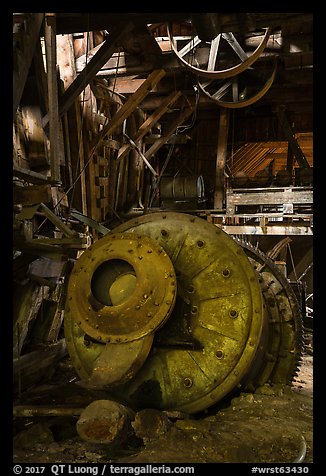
x=51 y=67
x=222 y=142
x=24 y=56
x=293 y=143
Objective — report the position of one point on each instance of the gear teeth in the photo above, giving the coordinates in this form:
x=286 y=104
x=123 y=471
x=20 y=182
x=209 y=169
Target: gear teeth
x=296 y=311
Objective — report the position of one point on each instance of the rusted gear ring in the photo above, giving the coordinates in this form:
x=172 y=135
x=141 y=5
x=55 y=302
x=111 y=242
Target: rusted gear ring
x=122 y=288
x=287 y=328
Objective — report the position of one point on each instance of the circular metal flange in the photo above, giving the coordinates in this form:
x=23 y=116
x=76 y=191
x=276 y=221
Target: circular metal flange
x=122 y=288
x=225 y=320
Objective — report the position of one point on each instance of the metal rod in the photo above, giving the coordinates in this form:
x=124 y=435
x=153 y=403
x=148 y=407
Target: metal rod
x=44 y=410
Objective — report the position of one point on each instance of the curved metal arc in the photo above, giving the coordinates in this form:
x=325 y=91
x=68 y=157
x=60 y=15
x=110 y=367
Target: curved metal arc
x=296 y=324
x=245 y=102
x=226 y=73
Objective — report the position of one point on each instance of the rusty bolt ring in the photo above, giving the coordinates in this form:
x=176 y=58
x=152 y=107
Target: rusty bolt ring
x=108 y=323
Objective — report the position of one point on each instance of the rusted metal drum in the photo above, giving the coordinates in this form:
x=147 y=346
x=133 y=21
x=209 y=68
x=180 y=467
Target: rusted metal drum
x=182 y=188
x=232 y=325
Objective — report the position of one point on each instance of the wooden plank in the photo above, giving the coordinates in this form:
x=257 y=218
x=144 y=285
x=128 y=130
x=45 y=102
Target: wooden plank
x=30 y=368
x=164 y=139
x=30 y=411
x=33 y=194
x=74 y=242
x=90 y=174
x=80 y=158
x=51 y=62
x=102 y=202
x=130 y=105
x=150 y=121
x=37 y=151
x=33 y=177
x=98 y=159
x=66 y=59
x=102 y=181
x=90 y=70
x=111 y=144
x=267 y=230
x=28 y=299
x=67 y=70
x=221 y=154
x=32 y=247
x=58 y=222
x=102 y=192
x=277 y=198
x=41 y=78
x=293 y=143
x=302 y=265
x=24 y=57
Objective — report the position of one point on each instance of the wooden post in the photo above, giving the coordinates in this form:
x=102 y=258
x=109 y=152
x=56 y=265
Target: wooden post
x=23 y=59
x=222 y=143
x=51 y=55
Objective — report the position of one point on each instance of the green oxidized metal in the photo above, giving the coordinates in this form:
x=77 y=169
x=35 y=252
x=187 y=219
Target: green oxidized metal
x=216 y=335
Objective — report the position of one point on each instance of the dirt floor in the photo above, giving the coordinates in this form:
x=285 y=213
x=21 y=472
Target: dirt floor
x=272 y=425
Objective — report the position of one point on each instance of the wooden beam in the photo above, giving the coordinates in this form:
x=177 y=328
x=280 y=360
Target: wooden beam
x=78 y=195
x=90 y=70
x=33 y=194
x=270 y=197
x=150 y=121
x=30 y=368
x=58 y=222
x=130 y=105
x=171 y=130
x=221 y=158
x=30 y=411
x=51 y=62
x=24 y=57
x=293 y=143
x=33 y=177
x=267 y=230
x=300 y=267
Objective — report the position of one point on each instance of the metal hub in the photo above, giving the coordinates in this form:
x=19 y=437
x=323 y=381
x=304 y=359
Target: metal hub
x=122 y=288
